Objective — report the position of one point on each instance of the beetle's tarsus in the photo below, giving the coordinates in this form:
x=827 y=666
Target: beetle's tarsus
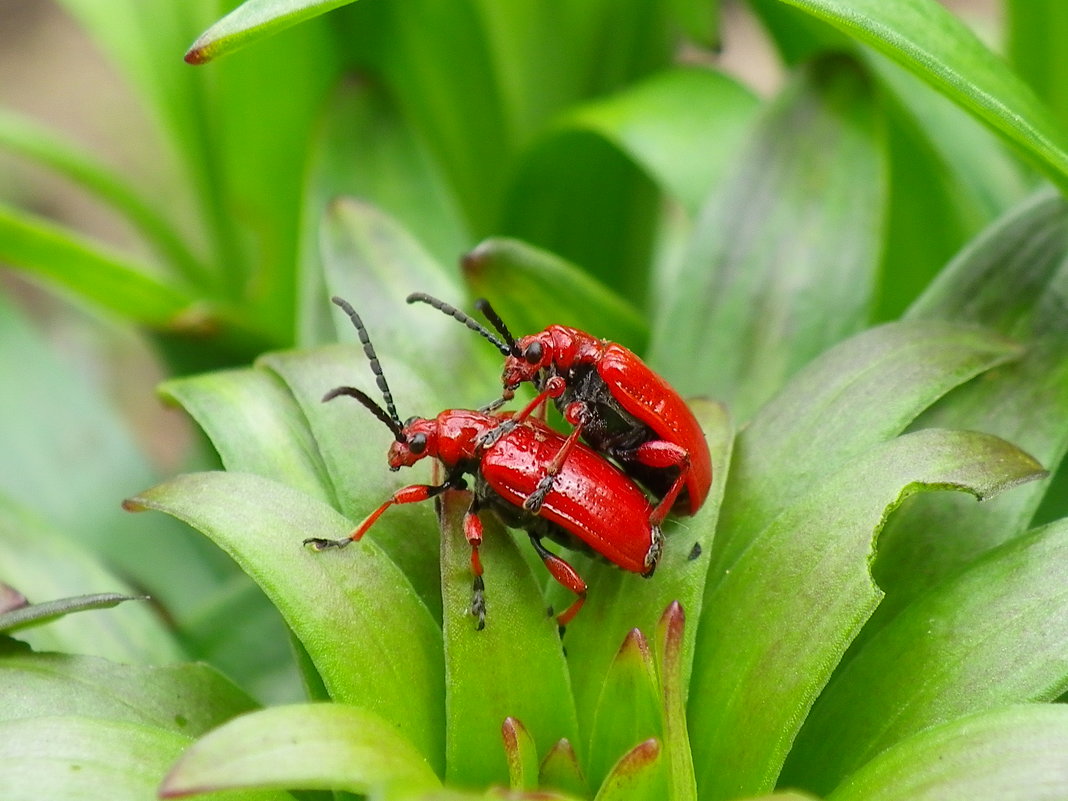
x=321 y=544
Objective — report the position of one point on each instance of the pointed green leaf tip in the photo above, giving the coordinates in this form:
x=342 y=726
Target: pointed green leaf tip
x=254 y=20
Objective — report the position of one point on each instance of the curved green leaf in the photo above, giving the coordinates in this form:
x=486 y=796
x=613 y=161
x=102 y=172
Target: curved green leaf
x=186 y=699
x=1035 y=30
x=775 y=626
x=72 y=757
x=31 y=140
x=780 y=271
x=531 y=288
x=666 y=124
x=1014 y=754
x=485 y=678
x=927 y=39
x=860 y=393
x=330 y=600
x=255 y=425
x=994 y=635
x=109 y=280
x=302 y=746
x=40 y=613
x=253 y=20
x=1013 y=278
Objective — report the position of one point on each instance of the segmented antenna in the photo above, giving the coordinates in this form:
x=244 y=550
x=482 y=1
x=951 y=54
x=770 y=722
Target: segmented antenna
x=395 y=424
x=370 y=405
x=474 y=325
x=483 y=306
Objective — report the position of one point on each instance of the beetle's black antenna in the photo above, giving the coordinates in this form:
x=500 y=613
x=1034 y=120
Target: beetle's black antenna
x=369 y=403
x=474 y=325
x=483 y=306
x=394 y=423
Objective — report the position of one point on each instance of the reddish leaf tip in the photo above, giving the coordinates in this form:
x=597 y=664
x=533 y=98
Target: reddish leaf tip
x=511 y=730
x=672 y=624
x=473 y=262
x=198 y=54
x=133 y=505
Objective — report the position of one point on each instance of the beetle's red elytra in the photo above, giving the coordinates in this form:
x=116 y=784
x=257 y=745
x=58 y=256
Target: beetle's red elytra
x=590 y=505
x=613 y=400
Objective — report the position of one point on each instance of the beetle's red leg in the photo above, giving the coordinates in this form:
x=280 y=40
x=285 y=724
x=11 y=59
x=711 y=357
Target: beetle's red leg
x=576 y=415
x=564 y=574
x=473 y=533
x=663 y=454
x=411 y=494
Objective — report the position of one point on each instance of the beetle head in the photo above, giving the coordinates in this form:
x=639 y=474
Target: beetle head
x=529 y=356
x=418 y=439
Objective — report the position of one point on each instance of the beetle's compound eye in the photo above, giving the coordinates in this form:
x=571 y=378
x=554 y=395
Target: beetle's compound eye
x=533 y=353
x=417 y=443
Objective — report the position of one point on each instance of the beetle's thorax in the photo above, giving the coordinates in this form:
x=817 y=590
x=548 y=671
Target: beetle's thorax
x=457 y=440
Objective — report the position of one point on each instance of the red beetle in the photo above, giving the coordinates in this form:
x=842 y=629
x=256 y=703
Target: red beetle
x=591 y=505
x=618 y=405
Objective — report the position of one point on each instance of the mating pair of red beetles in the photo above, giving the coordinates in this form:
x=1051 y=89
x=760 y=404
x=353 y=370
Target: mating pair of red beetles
x=536 y=479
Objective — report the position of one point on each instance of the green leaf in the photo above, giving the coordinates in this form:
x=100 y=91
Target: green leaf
x=774 y=627
x=796 y=35
x=353 y=445
x=330 y=600
x=860 y=393
x=672 y=665
x=665 y=123
x=255 y=425
x=258 y=654
x=629 y=708
x=620 y=601
x=1035 y=29
x=945 y=165
x=44 y=564
x=1012 y=278
x=577 y=195
x=536 y=689
x=928 y=40
x=73 y=757
x=85 y=268
x=30 y=140
x=522 y=755
x=560 y=771
x=1013 y=754
x=995 y=634
x=186 y=699
x=305 y=746
x=782 y=271
x=392 y=166
x=253 y=20
x=532 y=288
x=637 y=776
x=40 y=613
